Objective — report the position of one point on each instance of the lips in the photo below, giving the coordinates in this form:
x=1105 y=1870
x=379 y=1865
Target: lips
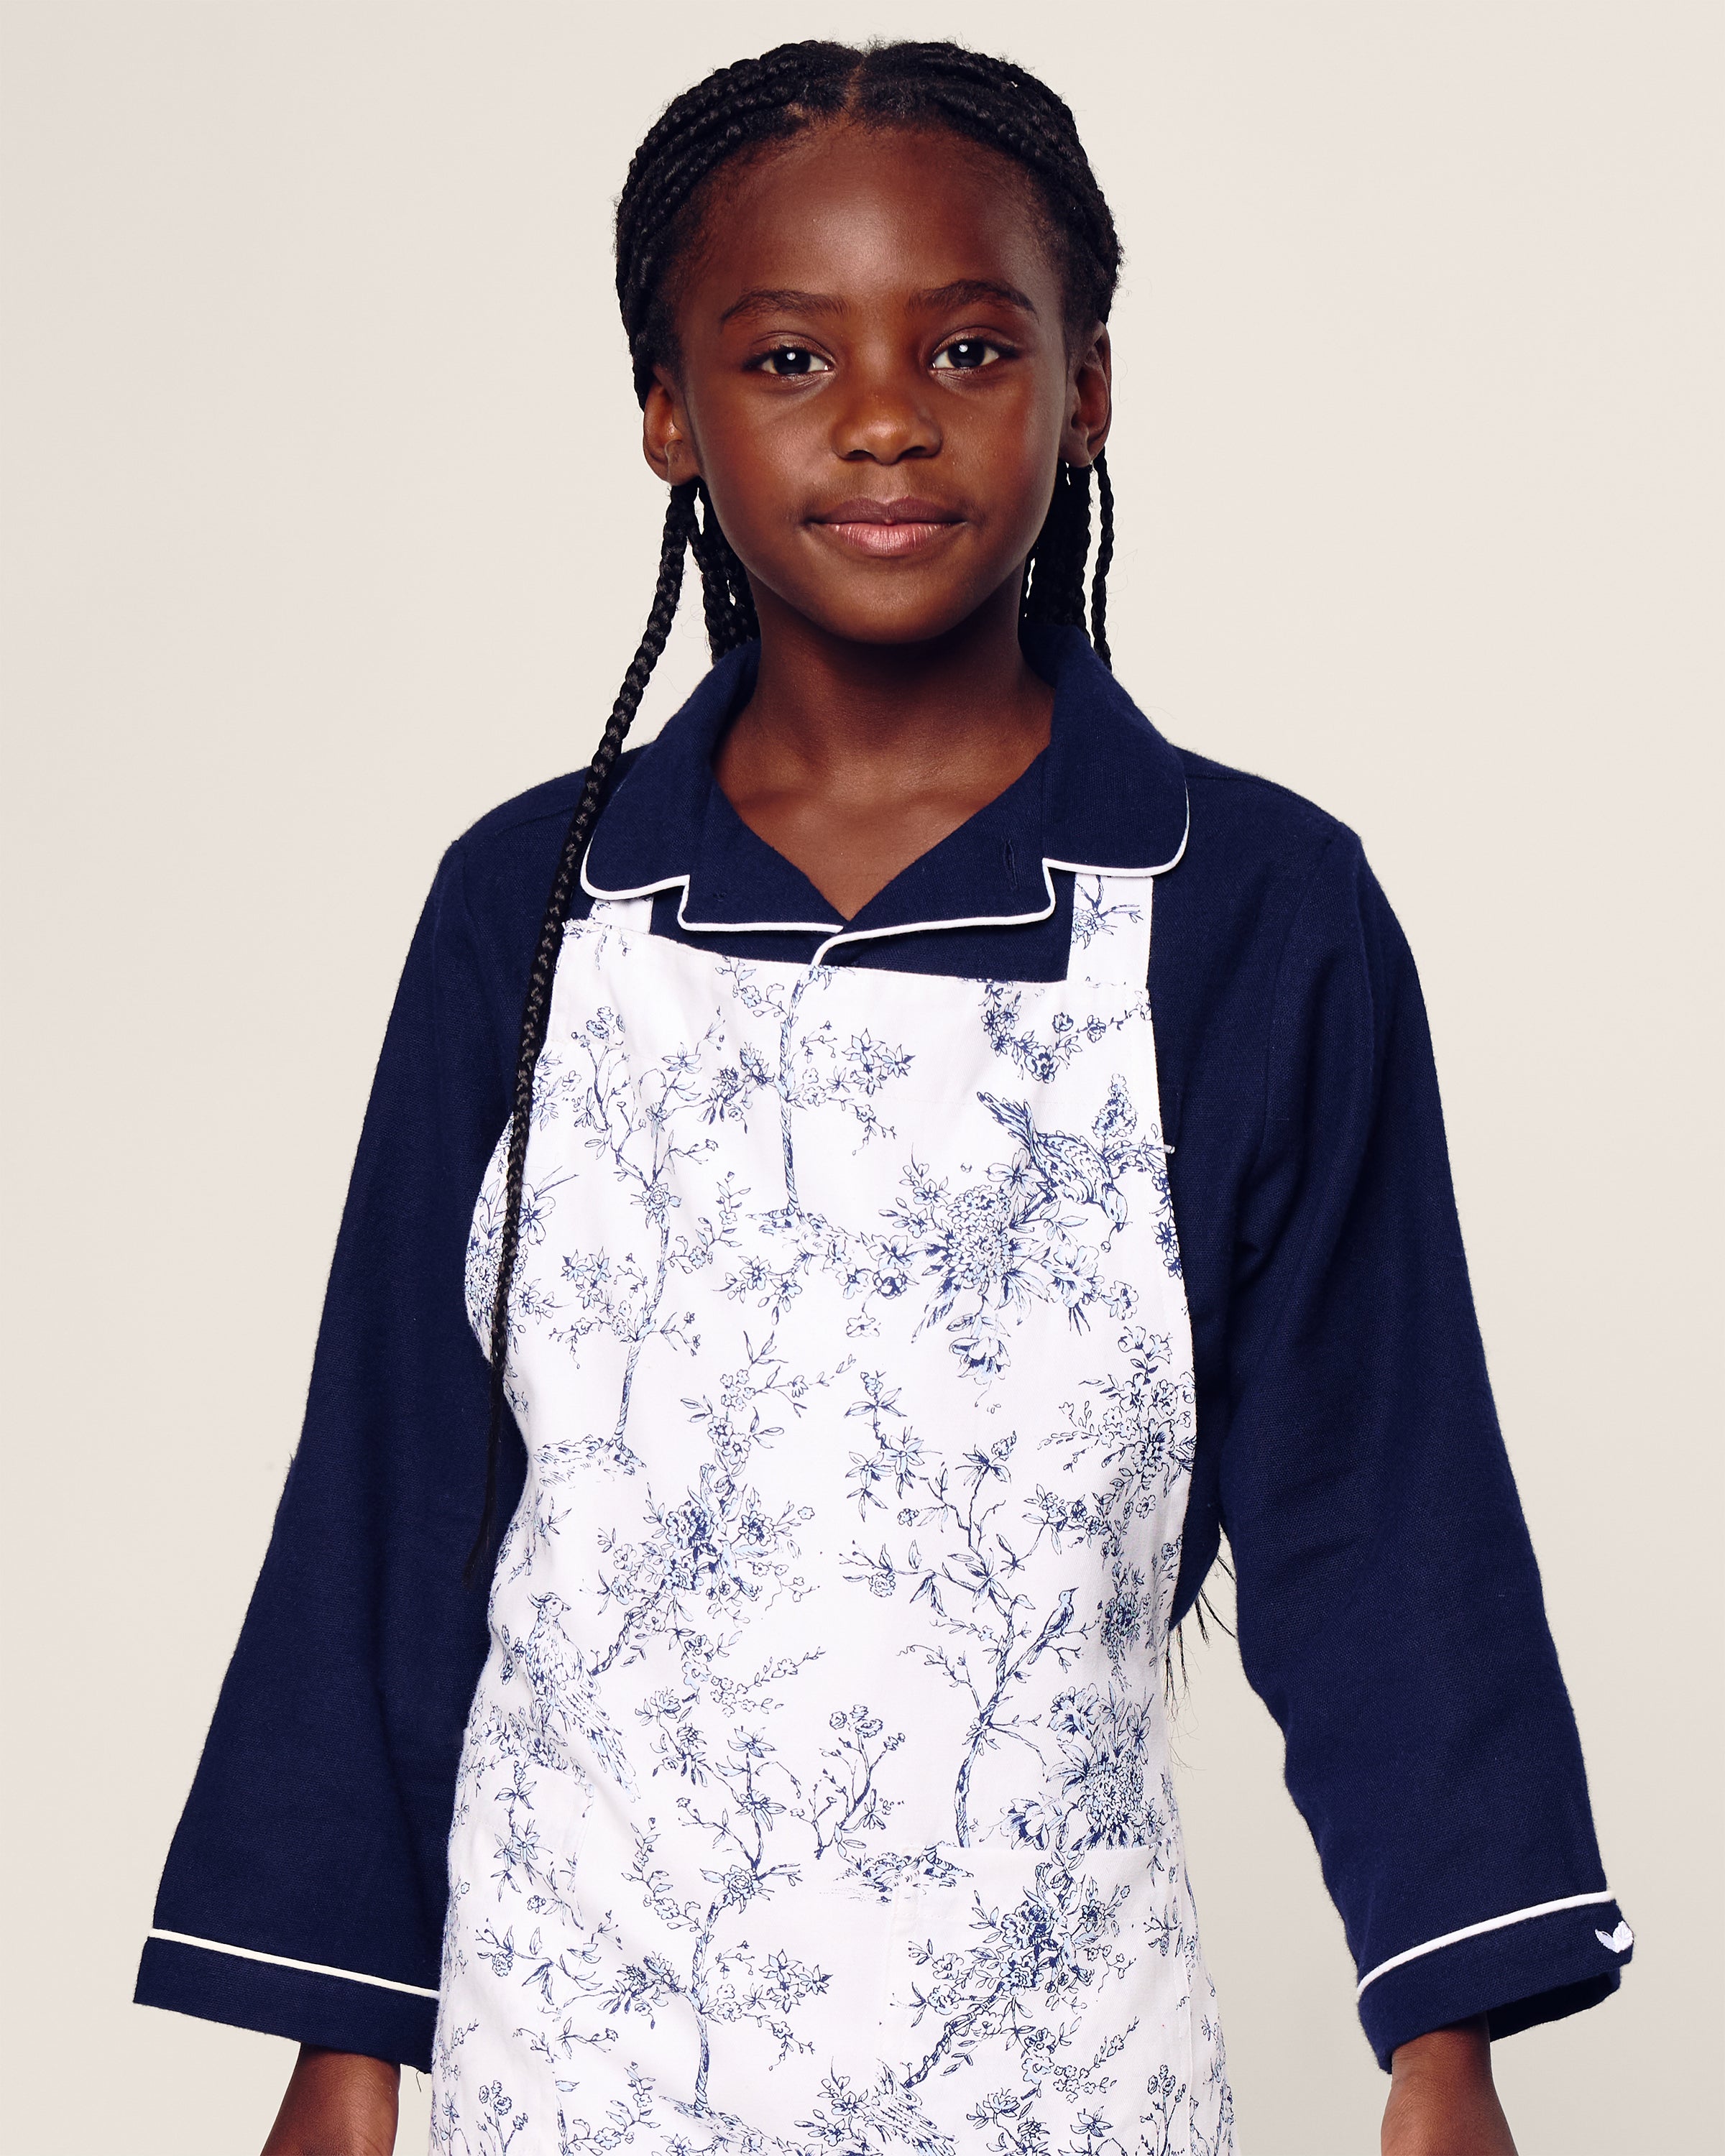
x=902 y=526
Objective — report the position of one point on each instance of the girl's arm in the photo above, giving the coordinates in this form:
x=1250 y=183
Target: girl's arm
x=337 y=2104
x=304 y=1890
x=1389 y=1607
x=304 y=1894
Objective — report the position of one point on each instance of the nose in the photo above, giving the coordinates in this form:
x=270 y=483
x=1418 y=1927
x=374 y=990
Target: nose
x=887 y=416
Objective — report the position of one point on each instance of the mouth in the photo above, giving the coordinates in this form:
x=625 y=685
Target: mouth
x=905 y=526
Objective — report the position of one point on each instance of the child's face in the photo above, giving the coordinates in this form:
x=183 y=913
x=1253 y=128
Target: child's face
x=874 y=322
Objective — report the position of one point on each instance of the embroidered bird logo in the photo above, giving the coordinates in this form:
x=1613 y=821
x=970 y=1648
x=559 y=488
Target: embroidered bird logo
x=1077 y=1169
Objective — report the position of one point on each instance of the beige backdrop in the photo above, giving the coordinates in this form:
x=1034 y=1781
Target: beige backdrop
x=326 y=529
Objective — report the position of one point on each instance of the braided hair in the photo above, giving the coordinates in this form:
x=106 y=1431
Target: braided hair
x=737 y=112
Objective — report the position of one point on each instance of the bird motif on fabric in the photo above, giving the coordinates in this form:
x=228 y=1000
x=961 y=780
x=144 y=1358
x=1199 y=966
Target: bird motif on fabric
x=1082 y=1171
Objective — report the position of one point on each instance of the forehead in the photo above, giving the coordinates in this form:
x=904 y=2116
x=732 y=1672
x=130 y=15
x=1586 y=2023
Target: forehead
x=864 y=212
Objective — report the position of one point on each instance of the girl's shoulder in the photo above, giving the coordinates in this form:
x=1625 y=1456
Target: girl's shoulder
x=518 y=824
x=505 y=862
x=1253 y=845
x=1270 y=819
x=487 y=902
x=1271 y=919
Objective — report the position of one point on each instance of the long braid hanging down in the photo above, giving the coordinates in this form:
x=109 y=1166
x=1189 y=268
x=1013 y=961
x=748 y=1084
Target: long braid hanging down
x=679 y=529
x=733 y=112
x=1105 y=562
x=1053 y=589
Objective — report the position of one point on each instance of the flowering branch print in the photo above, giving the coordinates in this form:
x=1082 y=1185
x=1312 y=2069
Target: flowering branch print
x=1093 y=914
x=630 y=1117
x=815 y=1799
x=846 y=1802
x=717 y=1986
x=998 y=1635
x=1054 y=1944
x=856 y=2119
x=812 y=1070
x=1134 y=1439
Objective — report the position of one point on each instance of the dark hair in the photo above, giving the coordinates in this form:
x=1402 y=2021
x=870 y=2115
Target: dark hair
x=737 y=111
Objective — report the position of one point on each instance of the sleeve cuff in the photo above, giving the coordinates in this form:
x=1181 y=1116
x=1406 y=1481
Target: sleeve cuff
x=1528 y=1966
x=377 y=2016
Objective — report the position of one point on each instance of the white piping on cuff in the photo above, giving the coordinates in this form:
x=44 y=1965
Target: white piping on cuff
x=283 y=1961
x=1474 y=1931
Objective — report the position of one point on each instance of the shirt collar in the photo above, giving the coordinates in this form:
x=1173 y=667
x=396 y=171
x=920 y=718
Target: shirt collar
x=1108 y=792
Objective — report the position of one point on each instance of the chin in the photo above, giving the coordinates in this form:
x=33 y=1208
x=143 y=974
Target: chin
x=916 y=629
x=887 y=617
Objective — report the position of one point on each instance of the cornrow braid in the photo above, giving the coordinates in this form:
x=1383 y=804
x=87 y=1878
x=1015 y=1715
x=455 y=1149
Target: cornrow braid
x=734 y=113
x=739 y=108
x=997 y=104
x=756 y=103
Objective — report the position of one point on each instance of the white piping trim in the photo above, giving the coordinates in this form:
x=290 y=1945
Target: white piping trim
x=920 y=927
x=700 y=927
x=840 y=935
x=1474 y=1931
x=644 y=890
x=283 y=1961
x=1007 y=919
x=742 y=927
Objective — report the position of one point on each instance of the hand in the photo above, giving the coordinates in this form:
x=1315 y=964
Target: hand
x=1441 y=2100
x=337 y=2104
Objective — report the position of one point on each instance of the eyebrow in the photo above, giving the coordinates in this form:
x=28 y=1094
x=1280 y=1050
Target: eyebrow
x=973 y=288
x=777 y=299
x=771 y=299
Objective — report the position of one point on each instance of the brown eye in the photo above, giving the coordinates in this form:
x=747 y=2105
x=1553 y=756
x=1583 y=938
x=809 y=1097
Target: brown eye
x=792 y=360
x=965 y=354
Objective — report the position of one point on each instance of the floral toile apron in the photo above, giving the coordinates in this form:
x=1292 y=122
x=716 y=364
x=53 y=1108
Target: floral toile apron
x=816 y=1792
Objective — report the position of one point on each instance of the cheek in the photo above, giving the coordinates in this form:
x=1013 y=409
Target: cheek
x=1008 y=454
x=1031 y=483
x=758 y=467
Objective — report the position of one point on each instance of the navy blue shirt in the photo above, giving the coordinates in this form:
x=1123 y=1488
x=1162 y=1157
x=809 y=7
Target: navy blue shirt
x=1389 y=1607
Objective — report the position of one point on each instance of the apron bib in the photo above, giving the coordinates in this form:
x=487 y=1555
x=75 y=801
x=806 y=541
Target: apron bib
x=816 y=1794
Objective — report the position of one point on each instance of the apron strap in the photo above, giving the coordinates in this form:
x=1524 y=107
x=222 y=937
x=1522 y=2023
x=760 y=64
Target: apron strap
x=1110 y=930
x=636 y=913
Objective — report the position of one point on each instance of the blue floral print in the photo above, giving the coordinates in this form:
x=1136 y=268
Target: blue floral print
x=816 y=1794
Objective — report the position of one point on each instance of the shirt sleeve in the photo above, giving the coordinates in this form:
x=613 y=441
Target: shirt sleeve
x=1389 y=1606
x=304 y=1890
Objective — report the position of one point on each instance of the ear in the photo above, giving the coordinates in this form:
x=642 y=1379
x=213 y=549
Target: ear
x=1090 y=400
x=667 y=442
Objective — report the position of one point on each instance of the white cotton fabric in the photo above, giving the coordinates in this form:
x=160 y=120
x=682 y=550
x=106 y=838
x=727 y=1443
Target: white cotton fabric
x=816 y=1793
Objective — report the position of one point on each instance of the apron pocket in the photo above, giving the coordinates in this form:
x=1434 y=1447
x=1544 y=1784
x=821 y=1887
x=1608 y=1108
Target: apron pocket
x=800 y=1978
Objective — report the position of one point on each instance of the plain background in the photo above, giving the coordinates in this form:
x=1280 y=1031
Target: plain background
x=326 y=528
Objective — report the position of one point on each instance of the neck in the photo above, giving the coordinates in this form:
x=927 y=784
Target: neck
x=842 y=713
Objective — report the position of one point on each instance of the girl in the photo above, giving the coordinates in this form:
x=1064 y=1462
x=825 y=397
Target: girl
x=898 y=1263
